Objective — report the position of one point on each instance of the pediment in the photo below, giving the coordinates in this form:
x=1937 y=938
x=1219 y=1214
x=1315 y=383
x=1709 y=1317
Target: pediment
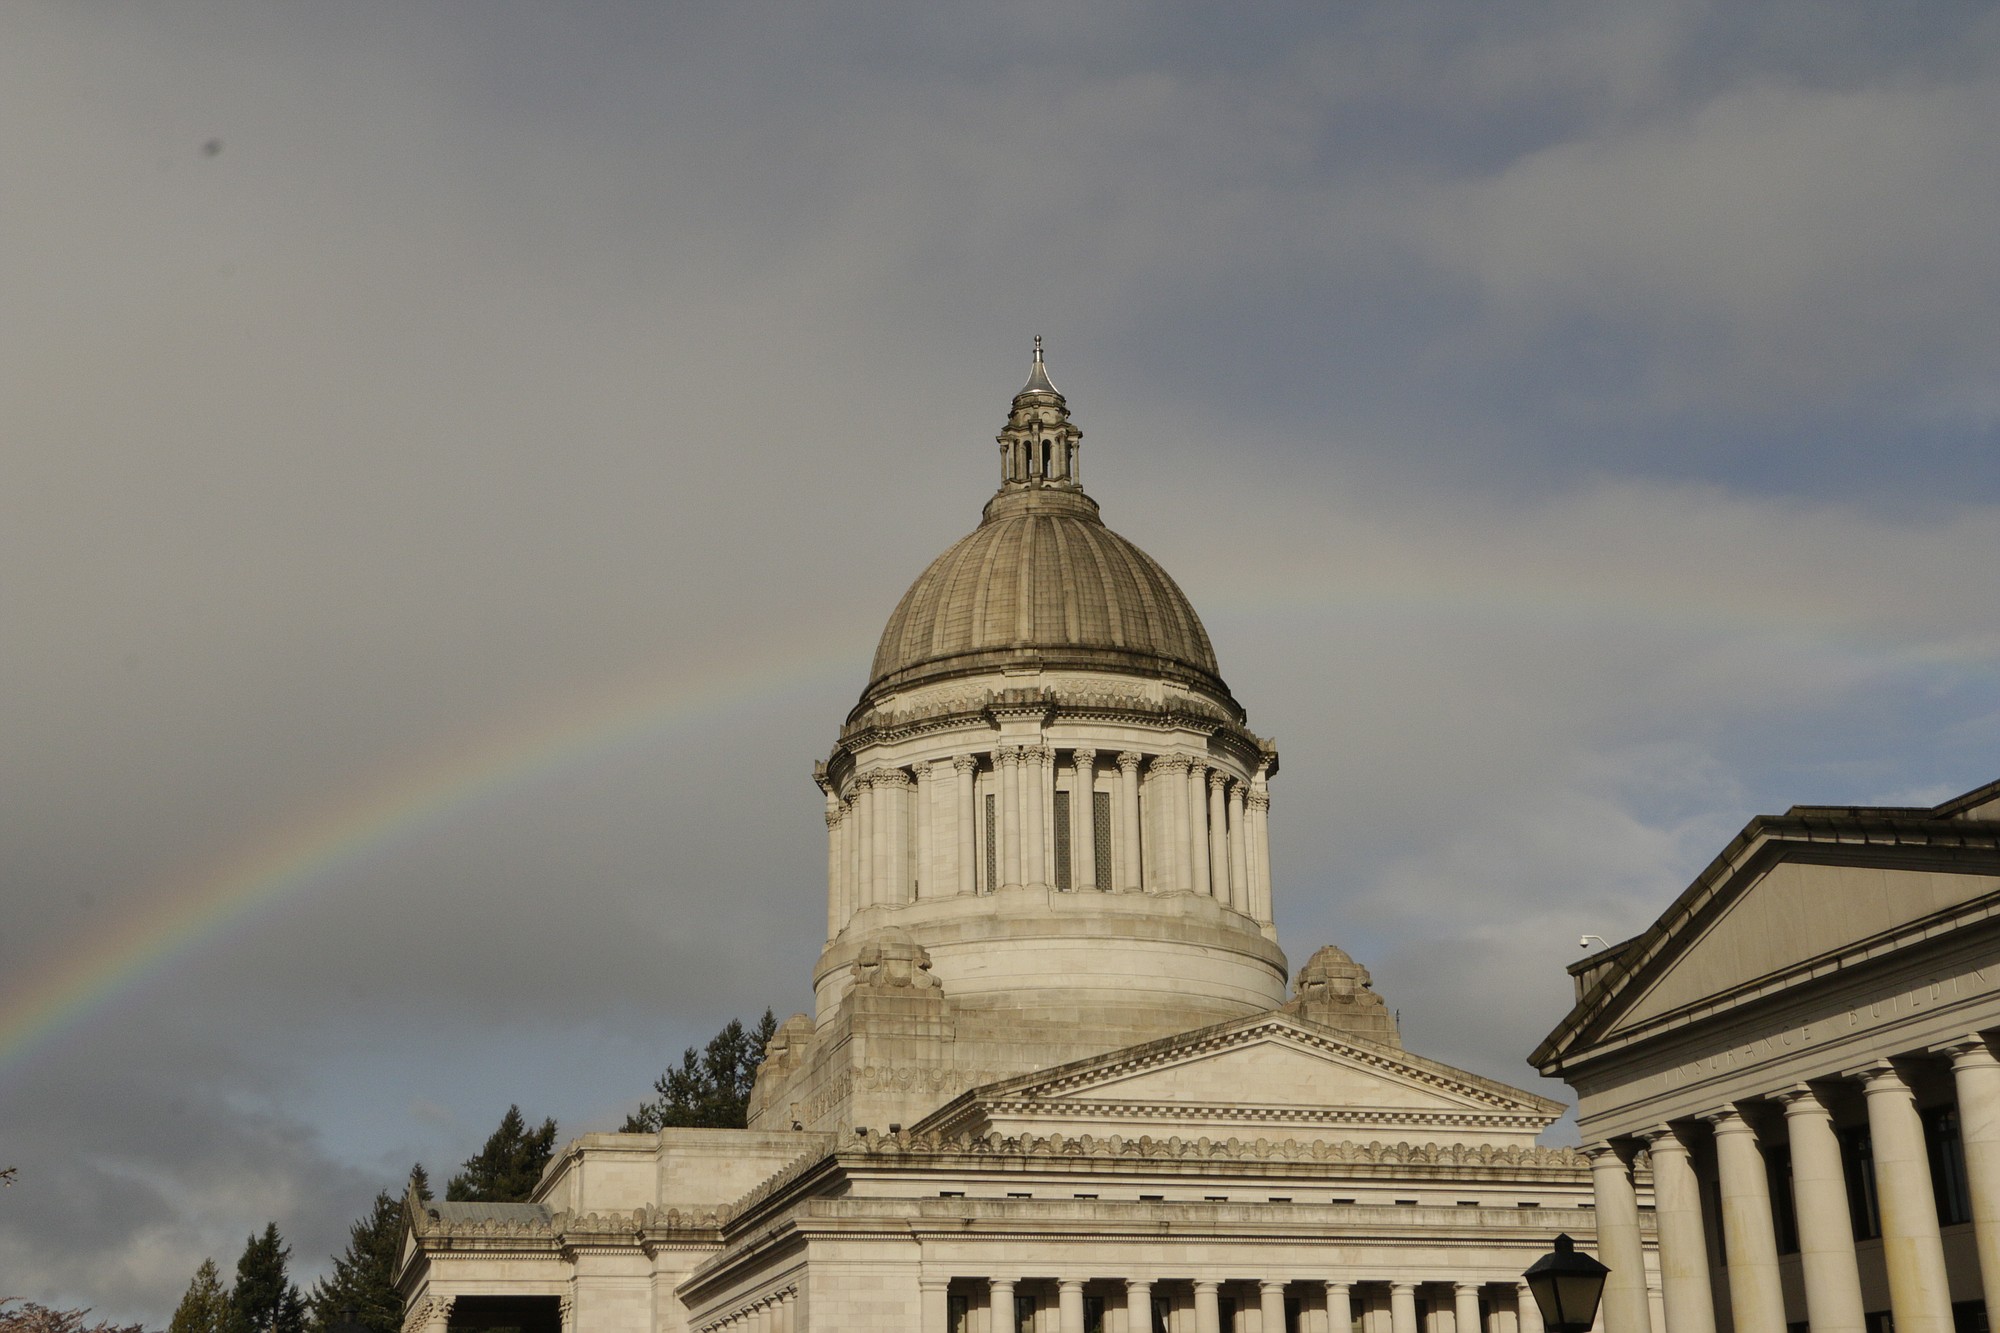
x=1269 y=1071
x=1795 y=912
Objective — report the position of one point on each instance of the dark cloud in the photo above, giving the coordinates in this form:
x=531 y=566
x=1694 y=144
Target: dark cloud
x=1574 y=422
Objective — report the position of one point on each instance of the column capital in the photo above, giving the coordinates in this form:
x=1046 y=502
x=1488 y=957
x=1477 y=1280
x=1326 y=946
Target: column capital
x=1411 y=1287
x=964 y=763
x=1070 y=1283
x=933 y=1283
x=1462 y=1287
x=1602 y=1151
x=893 y=777
x=1799 y=1099
x=1217 y=779
x=1270 y=1284
x=1129 y=760
x=1257 y=800
x=1726 y=1119
x=1968 y=1052
x=1037 y=754
x=1171 y=763
x=1336 y=1285
x=1082 y=758
x=1663 y=1138
x=1880 y=1076
x=1206 y=1284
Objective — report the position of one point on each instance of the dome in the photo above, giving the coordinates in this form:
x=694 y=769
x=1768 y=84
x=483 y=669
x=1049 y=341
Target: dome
x=1042 y=582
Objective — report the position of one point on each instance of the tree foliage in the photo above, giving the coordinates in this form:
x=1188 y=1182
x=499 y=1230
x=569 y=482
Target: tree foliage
x=363 y=1277
x=28 y=1317
x=506 y=1169
x=264 y=1299
x=711 y=1088
x=205 y=1308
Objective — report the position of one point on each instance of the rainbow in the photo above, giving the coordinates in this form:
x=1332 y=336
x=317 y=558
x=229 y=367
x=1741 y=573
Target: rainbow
x=183 y=917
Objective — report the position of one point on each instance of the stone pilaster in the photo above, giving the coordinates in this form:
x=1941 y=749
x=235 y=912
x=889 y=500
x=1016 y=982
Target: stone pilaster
x=1128 y=792
x=1083 y=822
x=1199 y=879
x=966 y=803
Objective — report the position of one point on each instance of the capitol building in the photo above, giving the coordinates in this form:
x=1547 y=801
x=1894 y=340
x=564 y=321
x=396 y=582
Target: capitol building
x=1059 y=1077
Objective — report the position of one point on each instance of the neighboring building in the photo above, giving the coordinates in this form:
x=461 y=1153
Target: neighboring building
x=1054 y=1082
x=1800 y=1046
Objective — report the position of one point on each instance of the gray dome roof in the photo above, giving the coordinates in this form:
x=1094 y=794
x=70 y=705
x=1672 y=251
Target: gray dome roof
x=1042 y=582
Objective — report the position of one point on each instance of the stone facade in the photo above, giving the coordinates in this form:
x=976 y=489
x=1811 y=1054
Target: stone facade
x=1054 y=1081
x=1797 y=1054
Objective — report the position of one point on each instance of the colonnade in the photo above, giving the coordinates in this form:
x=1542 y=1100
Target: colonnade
x=1731 y=1141
x=777 y=1312
x=1197 y=1305
x=972 y=823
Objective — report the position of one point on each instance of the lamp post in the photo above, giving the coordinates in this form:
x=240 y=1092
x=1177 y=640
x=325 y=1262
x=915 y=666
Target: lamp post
x=1566 y=1285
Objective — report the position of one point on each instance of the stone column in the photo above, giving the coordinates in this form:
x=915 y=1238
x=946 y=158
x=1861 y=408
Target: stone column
x=1690 y=1304
x=966 y=803
x=1069 y=1304
x=924 y=876
x=892 y=787
x=1128 y=809
x=1239 y=872
x=1258 y=807
x=1271 y=1306
x=1197 y=827
x=1339 y=1308
x=1402 y=1308
x=1000 y=1305
x=933 y=1298
x=1218 y=834
x=866 y=874
x=836 y=896
x=1138 y=1305
x=788 y=1312
x=1911 y=1248
x=1207 y=1310
x=1034 y=803
x=1618 y=1243
x=1826 y=1231
x=1464 y=1307
x=1083 y=822
x=1009 y=758
x=1170 y=776
x=1527 y=1314
x=1976 y=1079
x=1750 y=1240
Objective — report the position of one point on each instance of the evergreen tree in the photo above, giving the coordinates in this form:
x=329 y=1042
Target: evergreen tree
x=205 y=1308
x=264 y=1299
x=421 y=1179
x=711 y=1089
x=363 y=1279
x=506 y=1169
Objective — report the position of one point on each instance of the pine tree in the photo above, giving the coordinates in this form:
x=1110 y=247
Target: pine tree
x=506 y=1169
x=420 y=1179
x=363 y=1279
x=711 y=1089
x=205 y=1308
x=264 y=1299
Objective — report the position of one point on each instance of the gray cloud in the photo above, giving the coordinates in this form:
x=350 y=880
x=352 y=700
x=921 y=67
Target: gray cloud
x=1573 y=422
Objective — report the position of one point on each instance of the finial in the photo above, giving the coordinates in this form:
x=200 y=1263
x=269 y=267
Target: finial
x=1038 y=375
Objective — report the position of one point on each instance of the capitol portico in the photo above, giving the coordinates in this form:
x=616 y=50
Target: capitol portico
x=1055 y=1080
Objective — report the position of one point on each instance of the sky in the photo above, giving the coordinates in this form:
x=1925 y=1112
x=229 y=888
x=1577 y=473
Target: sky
x=458 y=458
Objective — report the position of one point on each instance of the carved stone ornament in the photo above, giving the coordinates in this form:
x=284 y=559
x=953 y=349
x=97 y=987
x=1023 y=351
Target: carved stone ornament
x=892 y=960
x=1335 y=991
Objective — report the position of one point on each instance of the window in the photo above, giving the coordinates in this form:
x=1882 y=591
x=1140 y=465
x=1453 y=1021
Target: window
x=1345 y=1201
x=1528 y=1203
x=1100 y=826
x=1468 y=1203
x=1947 y=1154
x=1083 y=1196
x=1062 y=842
x=1857 y=1155
x=951 y=1194
x=1152 y=1198
x=1023 y=1194
x=1784 y=1216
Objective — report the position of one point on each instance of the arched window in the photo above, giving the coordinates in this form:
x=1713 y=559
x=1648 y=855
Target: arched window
x=1045 y=458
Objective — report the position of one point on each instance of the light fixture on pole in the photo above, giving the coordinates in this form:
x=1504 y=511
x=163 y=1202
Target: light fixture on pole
x=1566 y=1285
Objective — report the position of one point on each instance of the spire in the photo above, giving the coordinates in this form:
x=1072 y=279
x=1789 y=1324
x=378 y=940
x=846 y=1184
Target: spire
x=1038 y=375
x=1038 y=446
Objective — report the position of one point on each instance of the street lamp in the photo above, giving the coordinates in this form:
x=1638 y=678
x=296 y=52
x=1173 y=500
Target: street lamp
x=1566 y=1286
